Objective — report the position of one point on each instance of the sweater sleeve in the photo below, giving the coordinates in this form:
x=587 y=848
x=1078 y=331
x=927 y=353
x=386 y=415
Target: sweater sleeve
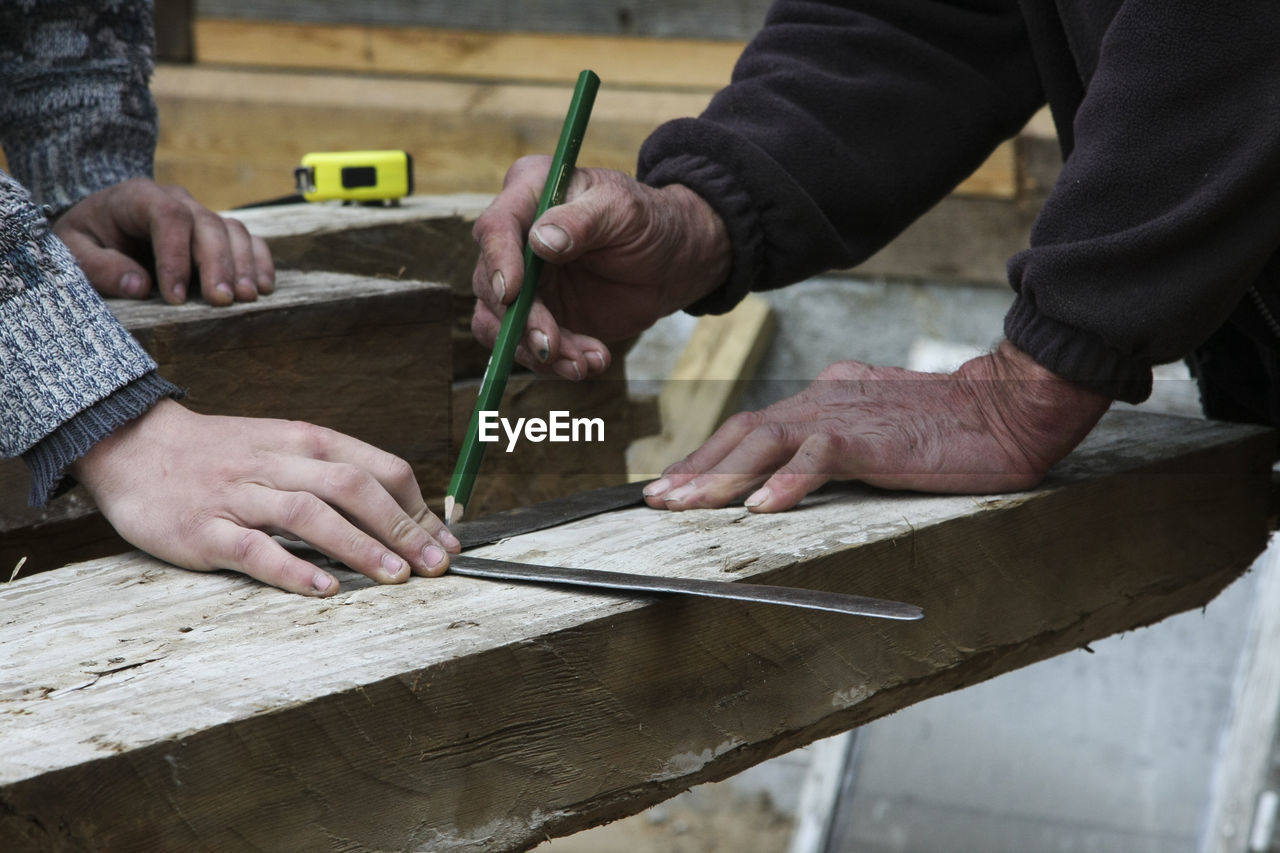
x=76 y=116
x=76 y=113
x=69 y=372
x=1168 y=206
x=843 y=123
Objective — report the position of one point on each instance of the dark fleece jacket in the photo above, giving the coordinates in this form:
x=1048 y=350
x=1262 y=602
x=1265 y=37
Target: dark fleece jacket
x=846 y=121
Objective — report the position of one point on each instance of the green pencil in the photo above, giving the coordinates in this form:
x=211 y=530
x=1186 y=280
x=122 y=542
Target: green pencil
x=513 y=322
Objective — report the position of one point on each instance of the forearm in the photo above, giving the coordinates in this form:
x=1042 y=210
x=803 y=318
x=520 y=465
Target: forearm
x=61 y=350
x=77 y=114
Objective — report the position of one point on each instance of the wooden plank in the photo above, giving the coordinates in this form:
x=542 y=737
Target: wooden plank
x=705 y=385
x=680 y=64
x=150 y=708
x=731 y=19
x=362 y=355
x=233 y=136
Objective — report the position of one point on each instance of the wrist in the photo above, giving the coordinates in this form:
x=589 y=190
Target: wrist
x=107 y=459
x=705 y=253
x=1041 y=414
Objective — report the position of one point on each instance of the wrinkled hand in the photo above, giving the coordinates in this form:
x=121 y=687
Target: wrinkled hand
x=620 y=255
x=208 y=492
x=118 y=233
x=996 y=425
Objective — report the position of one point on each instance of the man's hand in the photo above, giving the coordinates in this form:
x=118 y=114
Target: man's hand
x=997 y=424
x=117 y=234
x=619 y=254
x=207 y=492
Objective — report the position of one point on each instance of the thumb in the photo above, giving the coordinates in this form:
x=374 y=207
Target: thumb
x=602 y=206
x=110 y=272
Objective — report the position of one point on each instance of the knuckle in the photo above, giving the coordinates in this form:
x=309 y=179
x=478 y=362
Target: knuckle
x=346 y=480
x=298 y=509
x=744 y=421
x=405 y=531
x=249 y=546
x=178 y=192
x=312 y=440
x=400 y=472
x=772 y=432
x=363 y=548
x=173 y=211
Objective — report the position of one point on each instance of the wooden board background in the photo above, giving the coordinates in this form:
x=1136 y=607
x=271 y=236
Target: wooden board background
x=719 y=19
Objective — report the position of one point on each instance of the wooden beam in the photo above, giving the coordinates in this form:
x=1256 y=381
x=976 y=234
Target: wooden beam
x=717 y=19
x=151 y=708
x=669 y=63
x=233 y=136
x=366 y=356
x=705 y=385
x=426 y=237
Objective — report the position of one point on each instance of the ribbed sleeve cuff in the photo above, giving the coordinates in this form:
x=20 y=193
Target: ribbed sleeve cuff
x=61 y=349
x=727 y=197
x=49 y=459
x=1075 y=354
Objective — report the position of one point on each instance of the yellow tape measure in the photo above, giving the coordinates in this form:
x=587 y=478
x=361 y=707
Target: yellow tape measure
x=362 y=176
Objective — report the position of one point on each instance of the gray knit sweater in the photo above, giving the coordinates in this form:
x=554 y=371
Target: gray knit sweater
x=76 y=116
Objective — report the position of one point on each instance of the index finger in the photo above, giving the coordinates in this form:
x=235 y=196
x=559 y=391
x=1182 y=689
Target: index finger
x=393 y=473
x=500 y=231
x=170 y=225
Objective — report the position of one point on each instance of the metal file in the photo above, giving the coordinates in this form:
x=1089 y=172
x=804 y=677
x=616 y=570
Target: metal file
x=513 y=522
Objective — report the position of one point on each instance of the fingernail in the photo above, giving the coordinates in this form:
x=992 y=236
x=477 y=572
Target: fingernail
x=321 y=582
x=499 y=285
x=541 y=346
x=657 y=487
x=553 y=237
x=392 y=565
x=131 y=284
x=433 y=555
x=180 y=292
x=759 y=496
x=225 y=289
x=681 y=493
x=569 y=370
x=447 y=539
x=246 y=283
x=595 y=359
x=266 y=283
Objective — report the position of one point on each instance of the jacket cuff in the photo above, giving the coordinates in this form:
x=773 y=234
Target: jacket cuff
x=49 y=459
x=721 y=189
x=1075 y=354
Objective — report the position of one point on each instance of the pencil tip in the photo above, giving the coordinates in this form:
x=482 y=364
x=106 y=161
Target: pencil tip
x=452 y=510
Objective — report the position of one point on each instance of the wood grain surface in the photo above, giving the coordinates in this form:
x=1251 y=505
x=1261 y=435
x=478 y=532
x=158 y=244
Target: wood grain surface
x=150 y=708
